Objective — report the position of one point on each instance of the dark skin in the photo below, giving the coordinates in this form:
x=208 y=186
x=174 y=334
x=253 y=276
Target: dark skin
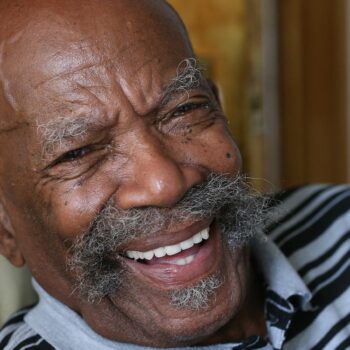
x=110 y=62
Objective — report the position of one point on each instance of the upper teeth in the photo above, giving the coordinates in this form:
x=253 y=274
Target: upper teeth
x=170 y=249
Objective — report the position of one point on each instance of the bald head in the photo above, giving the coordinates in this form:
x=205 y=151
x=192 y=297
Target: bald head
x=43 y=41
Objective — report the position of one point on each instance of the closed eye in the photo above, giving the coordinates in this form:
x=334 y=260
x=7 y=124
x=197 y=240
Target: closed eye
x=190 y=106
x=73 y=155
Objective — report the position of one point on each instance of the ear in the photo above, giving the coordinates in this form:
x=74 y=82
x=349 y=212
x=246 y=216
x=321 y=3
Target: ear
x=8 y=244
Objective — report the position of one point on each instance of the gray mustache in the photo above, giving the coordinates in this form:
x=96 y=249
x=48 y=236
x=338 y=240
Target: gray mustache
x=202 y=201
x=238 y=211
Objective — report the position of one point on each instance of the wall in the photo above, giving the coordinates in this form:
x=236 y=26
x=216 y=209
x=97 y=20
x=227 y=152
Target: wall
x=313 y=91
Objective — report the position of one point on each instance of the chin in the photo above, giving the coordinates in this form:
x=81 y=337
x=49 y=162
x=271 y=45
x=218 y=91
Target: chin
x=143 y=310
x=201 y=325
x=190 y=327
x=165 y=325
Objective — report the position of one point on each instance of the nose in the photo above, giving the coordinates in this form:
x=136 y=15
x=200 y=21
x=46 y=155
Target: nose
x=155 y=176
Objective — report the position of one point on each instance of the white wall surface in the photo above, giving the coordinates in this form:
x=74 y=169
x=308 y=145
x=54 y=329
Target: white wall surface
x=15 y=289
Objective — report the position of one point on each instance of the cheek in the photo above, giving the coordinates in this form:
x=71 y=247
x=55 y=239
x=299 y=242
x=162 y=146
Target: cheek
x=73 y=209
x=226 y=157
x=216 y=151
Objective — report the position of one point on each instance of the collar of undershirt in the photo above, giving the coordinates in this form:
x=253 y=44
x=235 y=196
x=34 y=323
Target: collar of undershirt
x=286 y=292
x=279 y=275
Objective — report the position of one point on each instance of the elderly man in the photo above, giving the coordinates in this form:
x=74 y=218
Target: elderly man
x=120 y=190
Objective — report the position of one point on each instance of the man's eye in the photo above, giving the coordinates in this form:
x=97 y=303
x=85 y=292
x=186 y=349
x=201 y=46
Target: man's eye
x=73 y=155
x=188 y=107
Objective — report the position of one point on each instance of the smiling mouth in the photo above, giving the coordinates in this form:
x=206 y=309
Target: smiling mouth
x=177 y=265
x=154 y=255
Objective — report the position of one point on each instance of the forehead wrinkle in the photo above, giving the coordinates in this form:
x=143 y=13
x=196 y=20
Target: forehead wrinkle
x=64 y=75
x=5 y=82
x=89 y=91
x=13 y=127
x=102 y=61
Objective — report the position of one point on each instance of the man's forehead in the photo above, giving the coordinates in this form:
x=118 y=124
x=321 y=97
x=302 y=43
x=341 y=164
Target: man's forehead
x=57 y=48
x=59 y=127
x=53 y=132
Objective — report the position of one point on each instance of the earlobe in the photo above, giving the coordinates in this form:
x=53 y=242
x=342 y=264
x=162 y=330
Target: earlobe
x=8 y=244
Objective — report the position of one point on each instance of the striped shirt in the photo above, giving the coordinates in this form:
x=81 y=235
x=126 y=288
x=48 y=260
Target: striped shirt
x=305 y=264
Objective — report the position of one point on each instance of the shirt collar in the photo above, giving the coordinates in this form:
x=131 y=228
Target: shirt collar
x=278 y=273
x=286 y=291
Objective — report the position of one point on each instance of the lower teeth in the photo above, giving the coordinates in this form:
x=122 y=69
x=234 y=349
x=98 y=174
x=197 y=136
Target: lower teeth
x=184 y=261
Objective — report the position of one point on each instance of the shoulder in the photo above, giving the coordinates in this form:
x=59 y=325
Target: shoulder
x=304 y=214
x=17 y=335
x=313 y=232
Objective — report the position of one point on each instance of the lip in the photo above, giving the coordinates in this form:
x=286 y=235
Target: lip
x=160 y=239
x=170 y=276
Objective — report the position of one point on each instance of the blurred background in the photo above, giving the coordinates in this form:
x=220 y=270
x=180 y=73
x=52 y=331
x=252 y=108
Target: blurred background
x=282 y=70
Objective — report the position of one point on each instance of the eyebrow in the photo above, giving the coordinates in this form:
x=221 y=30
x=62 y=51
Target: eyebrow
x=188 y=77
x=53 y=133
